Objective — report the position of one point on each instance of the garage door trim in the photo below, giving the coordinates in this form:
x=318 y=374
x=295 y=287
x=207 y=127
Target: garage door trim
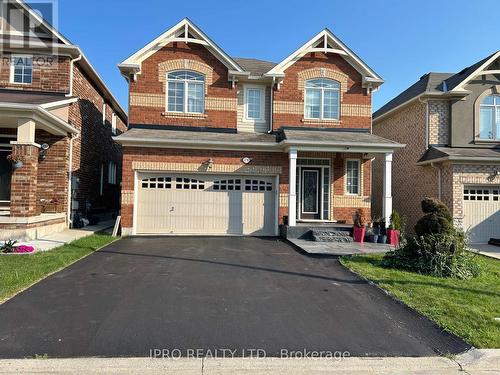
x=137 y=179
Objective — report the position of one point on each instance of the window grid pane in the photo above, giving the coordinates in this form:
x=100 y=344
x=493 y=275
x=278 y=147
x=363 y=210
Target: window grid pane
x=176 y=96
x=23 y=70
x=352 y=177
x=313 y=100
x=195 y=97
x=254 y=104
x=489 y=118
x=185 y=92
x=322 y=99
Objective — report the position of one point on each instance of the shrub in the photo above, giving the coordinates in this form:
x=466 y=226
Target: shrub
x=437 y=218
x=397 y=222
x=438 y=249
x=8 y=246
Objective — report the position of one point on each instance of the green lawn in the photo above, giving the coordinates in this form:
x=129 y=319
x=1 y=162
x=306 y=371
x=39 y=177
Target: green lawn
x=17 y=272
x=465 y=307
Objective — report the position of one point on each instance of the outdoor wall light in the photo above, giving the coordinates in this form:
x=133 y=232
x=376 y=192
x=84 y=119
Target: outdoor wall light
x=209 y=163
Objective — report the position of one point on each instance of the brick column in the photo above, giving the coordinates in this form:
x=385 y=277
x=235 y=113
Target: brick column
x=23 y=196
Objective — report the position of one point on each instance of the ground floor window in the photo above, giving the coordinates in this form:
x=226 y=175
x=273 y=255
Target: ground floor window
x=353 y=177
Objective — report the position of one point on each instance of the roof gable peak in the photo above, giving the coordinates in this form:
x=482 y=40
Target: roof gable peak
x=184 y=31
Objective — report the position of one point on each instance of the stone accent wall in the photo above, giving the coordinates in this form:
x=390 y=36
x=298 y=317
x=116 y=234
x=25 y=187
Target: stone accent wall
x=439 y=119
x=410 y=183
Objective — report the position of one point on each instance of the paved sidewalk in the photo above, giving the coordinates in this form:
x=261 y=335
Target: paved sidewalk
x=475 y=362
x=339 y=248
x=58 y=239
x=487 y=250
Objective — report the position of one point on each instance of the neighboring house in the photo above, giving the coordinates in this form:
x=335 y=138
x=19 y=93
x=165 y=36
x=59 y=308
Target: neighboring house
x=58 y=117
x=451 y=125
x=223 y=145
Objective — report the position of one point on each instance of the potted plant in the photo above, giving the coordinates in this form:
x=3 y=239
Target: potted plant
x=394 y=230
x=17 y=161
x=359 y=226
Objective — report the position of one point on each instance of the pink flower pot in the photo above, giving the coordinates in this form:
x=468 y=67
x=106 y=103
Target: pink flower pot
x=393 y=236
x=359 y=234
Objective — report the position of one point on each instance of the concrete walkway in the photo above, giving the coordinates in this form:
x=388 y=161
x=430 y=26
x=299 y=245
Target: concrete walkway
x=487 y=250
x=58 y=239
x=474 y=362
x=338 y=248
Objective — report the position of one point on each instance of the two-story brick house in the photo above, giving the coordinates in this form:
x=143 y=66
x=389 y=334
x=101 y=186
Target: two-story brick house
x=451 y=125
x=223 y=145
x=57 y=118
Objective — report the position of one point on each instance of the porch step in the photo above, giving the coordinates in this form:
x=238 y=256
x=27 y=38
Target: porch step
x=331 y=235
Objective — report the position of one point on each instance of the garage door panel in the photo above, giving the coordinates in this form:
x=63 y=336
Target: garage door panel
x=482 y=212
x=202 y=204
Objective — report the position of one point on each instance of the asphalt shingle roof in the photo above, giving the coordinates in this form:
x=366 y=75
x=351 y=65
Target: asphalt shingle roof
x=254 y=66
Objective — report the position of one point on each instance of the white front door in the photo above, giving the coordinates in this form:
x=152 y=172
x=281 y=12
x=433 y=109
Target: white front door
x=482 y=212
x=170 y=203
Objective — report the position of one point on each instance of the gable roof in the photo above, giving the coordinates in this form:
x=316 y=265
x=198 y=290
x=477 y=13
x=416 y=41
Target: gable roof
x=254 y=66
x=430 y=84
x=84 y=62
x=184 y=31
x=326 y=42
x=437 y=84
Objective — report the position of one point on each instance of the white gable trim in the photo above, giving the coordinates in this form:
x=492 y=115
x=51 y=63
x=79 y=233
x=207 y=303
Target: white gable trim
x=479 y=71
x=341 y=49
x=42 y=21
x=172 y=35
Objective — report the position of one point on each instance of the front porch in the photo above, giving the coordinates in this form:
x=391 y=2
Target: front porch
x=34 y=161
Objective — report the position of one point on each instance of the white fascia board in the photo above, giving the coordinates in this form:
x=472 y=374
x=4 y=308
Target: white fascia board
x=349 y=56
x=147 y=142
x=58 y=104
x=342 y=146
x=457 y=159
x=40 y=115
x=460 y=86
x=149 y=49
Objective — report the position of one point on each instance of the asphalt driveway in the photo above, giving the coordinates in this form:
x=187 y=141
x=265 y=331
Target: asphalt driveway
x=209 y=293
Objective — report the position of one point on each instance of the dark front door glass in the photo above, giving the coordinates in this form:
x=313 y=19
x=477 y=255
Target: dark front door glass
x=310 y=191
x=5 y=176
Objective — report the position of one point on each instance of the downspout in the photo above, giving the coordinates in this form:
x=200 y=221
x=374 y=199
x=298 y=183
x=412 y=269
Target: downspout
x=271 y=108
x=70 y=177
x=71 y=75
x=439 y=179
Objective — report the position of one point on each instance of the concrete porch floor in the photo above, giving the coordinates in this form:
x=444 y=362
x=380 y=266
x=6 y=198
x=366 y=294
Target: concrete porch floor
x=339 y=248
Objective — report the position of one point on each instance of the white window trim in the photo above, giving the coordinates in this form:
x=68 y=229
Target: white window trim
x=262 y=117
x=360 y=190
x=113 y=123
x=112 y=173
x=104 y=113
x=11 y=78
x=101 y=185
x=496 y=137
x=167 y=80
x=321 y=104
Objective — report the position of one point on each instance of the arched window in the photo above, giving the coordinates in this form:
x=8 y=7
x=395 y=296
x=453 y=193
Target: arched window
x=185 y=92
x=489 y=121
x=322 y=99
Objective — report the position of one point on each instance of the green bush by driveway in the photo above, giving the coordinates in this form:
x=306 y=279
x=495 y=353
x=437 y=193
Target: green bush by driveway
x=467 y=308
x=17 y=272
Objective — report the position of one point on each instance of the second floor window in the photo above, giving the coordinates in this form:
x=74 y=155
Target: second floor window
x=22 y=69
x=489 y=122
x=322 y=99
x=254 y=103
x=185 y=92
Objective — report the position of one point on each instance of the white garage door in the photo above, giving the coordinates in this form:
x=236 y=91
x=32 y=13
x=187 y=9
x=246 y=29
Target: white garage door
x=482 y=212
x=206 y=204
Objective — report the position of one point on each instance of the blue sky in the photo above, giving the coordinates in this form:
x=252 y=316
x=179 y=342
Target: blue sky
x=400 y=40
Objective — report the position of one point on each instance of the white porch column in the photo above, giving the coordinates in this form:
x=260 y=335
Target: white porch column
x=387 y=199
x=292 y=187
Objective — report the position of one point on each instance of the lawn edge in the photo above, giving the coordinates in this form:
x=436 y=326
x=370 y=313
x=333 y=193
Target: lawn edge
x=401 y=302
x=2 y=301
